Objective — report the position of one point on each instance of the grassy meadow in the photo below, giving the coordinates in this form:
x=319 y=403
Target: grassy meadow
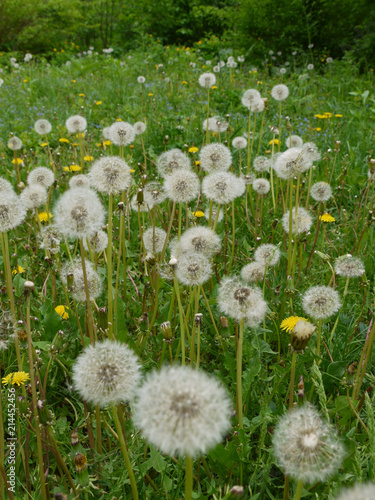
x=164 y=285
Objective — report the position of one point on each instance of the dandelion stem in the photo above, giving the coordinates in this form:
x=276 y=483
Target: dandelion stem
x=299 y=490
x=188 y=478
x=88 y=303
x=292 y=377
x=182 y=323
x=239 y=374
x=109 y=268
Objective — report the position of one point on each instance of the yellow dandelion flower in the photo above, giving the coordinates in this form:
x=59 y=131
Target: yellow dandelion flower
x=184 y=82
x=259 y=83
x=274 y=141
x=19 y=269
x=255 y=71
x=268 y=152
x=288 y=324
x=214 y=87
x=193 y=149
x=88 y=158
x=81 y=95
x=98 y=145
x=73 y=81
x=326 y=218
x=18 y=378
x=338 y=116
x=131 y=146
x=44 y=217
x=107 y=143
x=199 y=213
x=61 y=311
x=75 y=144
x=64 y=140
x=118 y=119
x=132 y=170
x=318 y=129
x=98 y=103
x=328 y=114
x=80 y=135
x=72 y=168
x=18 y=161
x=44 y=144
x=150 y=94
x=197 y=163
x=25 y=80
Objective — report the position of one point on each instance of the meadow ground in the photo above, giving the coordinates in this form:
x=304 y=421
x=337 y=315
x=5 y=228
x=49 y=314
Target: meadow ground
x=181 y=222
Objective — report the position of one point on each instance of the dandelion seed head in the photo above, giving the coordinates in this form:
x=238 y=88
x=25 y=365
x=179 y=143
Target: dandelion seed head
x=121 y=133
x=141 y=79
x=94 y=281
x=15 y=143
x=42 y=127
x=238 y=301
x=261 y=164
x=215 y=157
x=49 y=239
x=250 y=98
x=79 y=213
x=201 y=240
x=154 y=193
x=213 y=215
x=182 y=186
x=5 y=186
x=349 y=266
x=239 y=142
x=41 y=175
x=294 y=141
x=139 y=128
x=359 y=491
x=300 y=223
x=306 y=447
x=292 y=162
x=98 y=241
x=193 y=269
x=75 y=124
x=321 y=302
x=253 y=272
x=79 y=181
x=12 y=211
x=311 y=152
x=182 y=411
x=34 y=196
x=154 y=239
x=222 y=187
x=107 y=133
x=217 y=124
x=267 y=255
x=321 y=191
x=207 y=80
x=172 y=160
x=106 y=373
x=110 y=175
x=280 y=92
x=7 y=330
x=261 y=186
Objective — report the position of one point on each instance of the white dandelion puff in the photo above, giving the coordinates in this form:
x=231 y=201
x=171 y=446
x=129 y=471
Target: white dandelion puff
x=139 y=128
x=349 y=266
x=41 y=175
x=42 y=127
x=154 y=193
x=182 y=411
x=154 y=239
x=75 y=124
x=193 y=269
x=49 y=239
x=172 y=160
x=79 y=181
x=321 y=302
x=12 y=211
x=182 y=186
x=267 y=255
x=239 y=142
x=5 y=186
x=15 y=143
x=321 y=191
x=294 y=141
x=94 y=282
x=121 y=133
x=207 y=80
x=311 y=151
x=292 y=162
x=250 y=97
x=300 y=223
x=359 y=491
x=261 y=164
x=141 y=79
x=261 y=186
x=253 y=272
x=110 y=175
x=98 y=241
x=222 y=187
x=280 y=92
x=215 y=157
x=201 y=240
x=34 y=196
x=106 y=373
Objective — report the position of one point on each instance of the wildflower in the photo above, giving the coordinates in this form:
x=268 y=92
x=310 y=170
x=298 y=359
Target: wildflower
x=88 y=158
x=5 y=186
x=94 y=281
x=222 y=187
x=139 y=128
x=154 y=193
x=306 y=446
x=310 y=67
x=182 y=411
x=301 y=334
x=16 y=378
x=217 y=124
x=19 y=269
x=110 y=175
x=294 y=141
x=250 y=98
x=98 y=241
x=7 y=332
x=311 y=152
x=44 y=216
x=79 y=213
x=34 y=196
x=15 y=143
x=154 y=239
x=300 y=224
x=106 y=373
x=288 y=324
x=198 y=214
x=321 y=302
x=280 y=92
x=49 y=238
x=41 y=175
x=215 y=157
x=239 y=143
x=274 y=142
x=79 y=181
x=141 y=79
x=172 y=160
x=42 y=127
x=240 y=301
x=121 y=133
x=182 y=185
x=359 y=491
x=349 y=266
x=253 y=272
x=261 y=186
x=61 y=311
x=207 y=80
x=63 y=140
x=321 y=191
x=75 y=124
x=293 y=161
x=267 y=254
x=338 y=116
x=326 y=218
x=72 y=168
x=201 y=240
x=261 y=164
x=193 y=269
x=98 y=103
x=17 y=161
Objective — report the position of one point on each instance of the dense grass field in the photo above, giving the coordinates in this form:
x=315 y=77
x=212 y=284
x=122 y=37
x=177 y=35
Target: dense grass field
x=151 y=345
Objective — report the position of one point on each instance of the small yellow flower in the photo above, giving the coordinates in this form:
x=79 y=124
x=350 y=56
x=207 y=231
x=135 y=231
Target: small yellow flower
x=62 y=312
x=80 y=135
x=327 y=114
x=318 y=129
x=73 y=81
x=25 y=80
x=19 y=269
x=193 y=149
x=274 y=141
x=288 y=324
x=268 y=152
x=214 y=87
x=81 y=95
x=55 y=50
x=75 y=144
x=72 y=168
x=197 y=163
x=255 y=71
x=131 y=146
x=259 y=83
x=338 y=116
x=88 y=158
x=98 y=103
x=326 y=218
x=64 y=140
x=184 y=82
x=18 y=378
x=132 y=170
x=44 y=217
x=150 y=94
x=98 y=145
x=18 y=161
x=199 y=213
x=107 y=143
x=44 y=144
x=118 y=119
